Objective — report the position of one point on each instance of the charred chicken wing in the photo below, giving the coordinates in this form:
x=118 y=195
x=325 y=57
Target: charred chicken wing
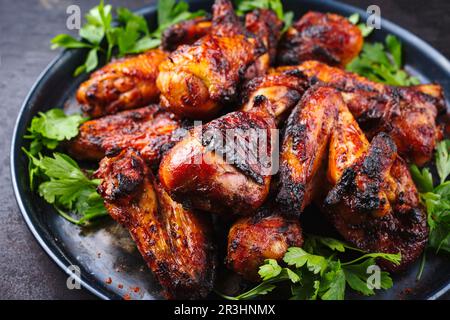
x=224 y=166
x=266 y=235
x=373 y=202
x=151 y=130
x=173 y=241
x=185 y=32
x=325 y=37
x=408 y=114
x=196 y=81
x=304 y=148
x=126 y=83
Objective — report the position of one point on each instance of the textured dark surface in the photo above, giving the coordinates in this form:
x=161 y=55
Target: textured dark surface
x=26 y=272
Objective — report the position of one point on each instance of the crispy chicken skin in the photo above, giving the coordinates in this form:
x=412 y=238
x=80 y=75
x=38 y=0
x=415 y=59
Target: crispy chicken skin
x=125 y=83
x=173 y=241
x=197 y=80
x=221 y=167
x=266 y=27
x=283 y=89
x=373 y=202
x=408 y=114
x=266 y=235
x=325 y=37
x=151 y=130
x=304 y=148
x=185 y=32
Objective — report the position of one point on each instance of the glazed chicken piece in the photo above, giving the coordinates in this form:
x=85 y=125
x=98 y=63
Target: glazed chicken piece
x=304 y=148
x=196 y=81
x=226 y=165
x=325 y=37
x=373 y=202
x=282 y=89
x=185 y=32
x=266 y=235
x=151 y=130
x=408 y=114
x=173 y=241
x=125 y=83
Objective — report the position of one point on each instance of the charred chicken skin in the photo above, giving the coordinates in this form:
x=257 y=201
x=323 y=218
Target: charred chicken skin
x=225 y=165
x=126 y=83
x=325 y=37
x=266 y=235
x=373 y=202
x=408 y=114
x=151 y=130
x=197 y=80
x=173 y=241
x=185 y=32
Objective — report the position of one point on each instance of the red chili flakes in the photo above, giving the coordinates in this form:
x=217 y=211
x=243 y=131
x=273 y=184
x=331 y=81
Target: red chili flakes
x=109 y=280
x=126 y=296
x=120 y=286
x=136 y=290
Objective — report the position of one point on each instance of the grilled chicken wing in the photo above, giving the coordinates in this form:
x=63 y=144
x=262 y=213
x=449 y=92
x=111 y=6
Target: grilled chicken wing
x=224 y=166
x=304 y=148
x=266 y=235
x=173 y=241
x=408 y=114
x=125 y=83
x=151 y=130
x=185 y=32
x=283 y=89
x=373 y=202
x=325 y=37
x=196 y=81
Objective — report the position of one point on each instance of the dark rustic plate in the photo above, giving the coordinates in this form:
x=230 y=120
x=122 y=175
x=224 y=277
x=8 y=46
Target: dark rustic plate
x=105 y=251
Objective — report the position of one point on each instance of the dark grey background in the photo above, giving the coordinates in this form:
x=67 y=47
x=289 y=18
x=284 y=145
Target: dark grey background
x=26 y=26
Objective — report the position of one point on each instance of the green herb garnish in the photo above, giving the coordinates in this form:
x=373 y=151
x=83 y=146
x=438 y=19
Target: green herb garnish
x=436 y=199
x=67 y=187
x=243 y=6
x=365 y=30
x=315 y=271
x=130 y=35
x=379 y=65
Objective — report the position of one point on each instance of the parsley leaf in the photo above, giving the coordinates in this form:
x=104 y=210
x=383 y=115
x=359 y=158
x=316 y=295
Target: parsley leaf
x=323 y=276
x=383 y=66
x=49 y=128
x=244 y=6
x=443 y=160
x=67 y=187
x=436 y=200
x=363 y=27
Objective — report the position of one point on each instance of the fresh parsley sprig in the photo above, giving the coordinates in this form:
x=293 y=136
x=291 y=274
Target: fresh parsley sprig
x=60 y=180
x=67 y=187
x=377 y=64
x=130 y=35
x=244 y=6
x=315 y=271
x=365 y=29
x=436 y=199
x=47 y=130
